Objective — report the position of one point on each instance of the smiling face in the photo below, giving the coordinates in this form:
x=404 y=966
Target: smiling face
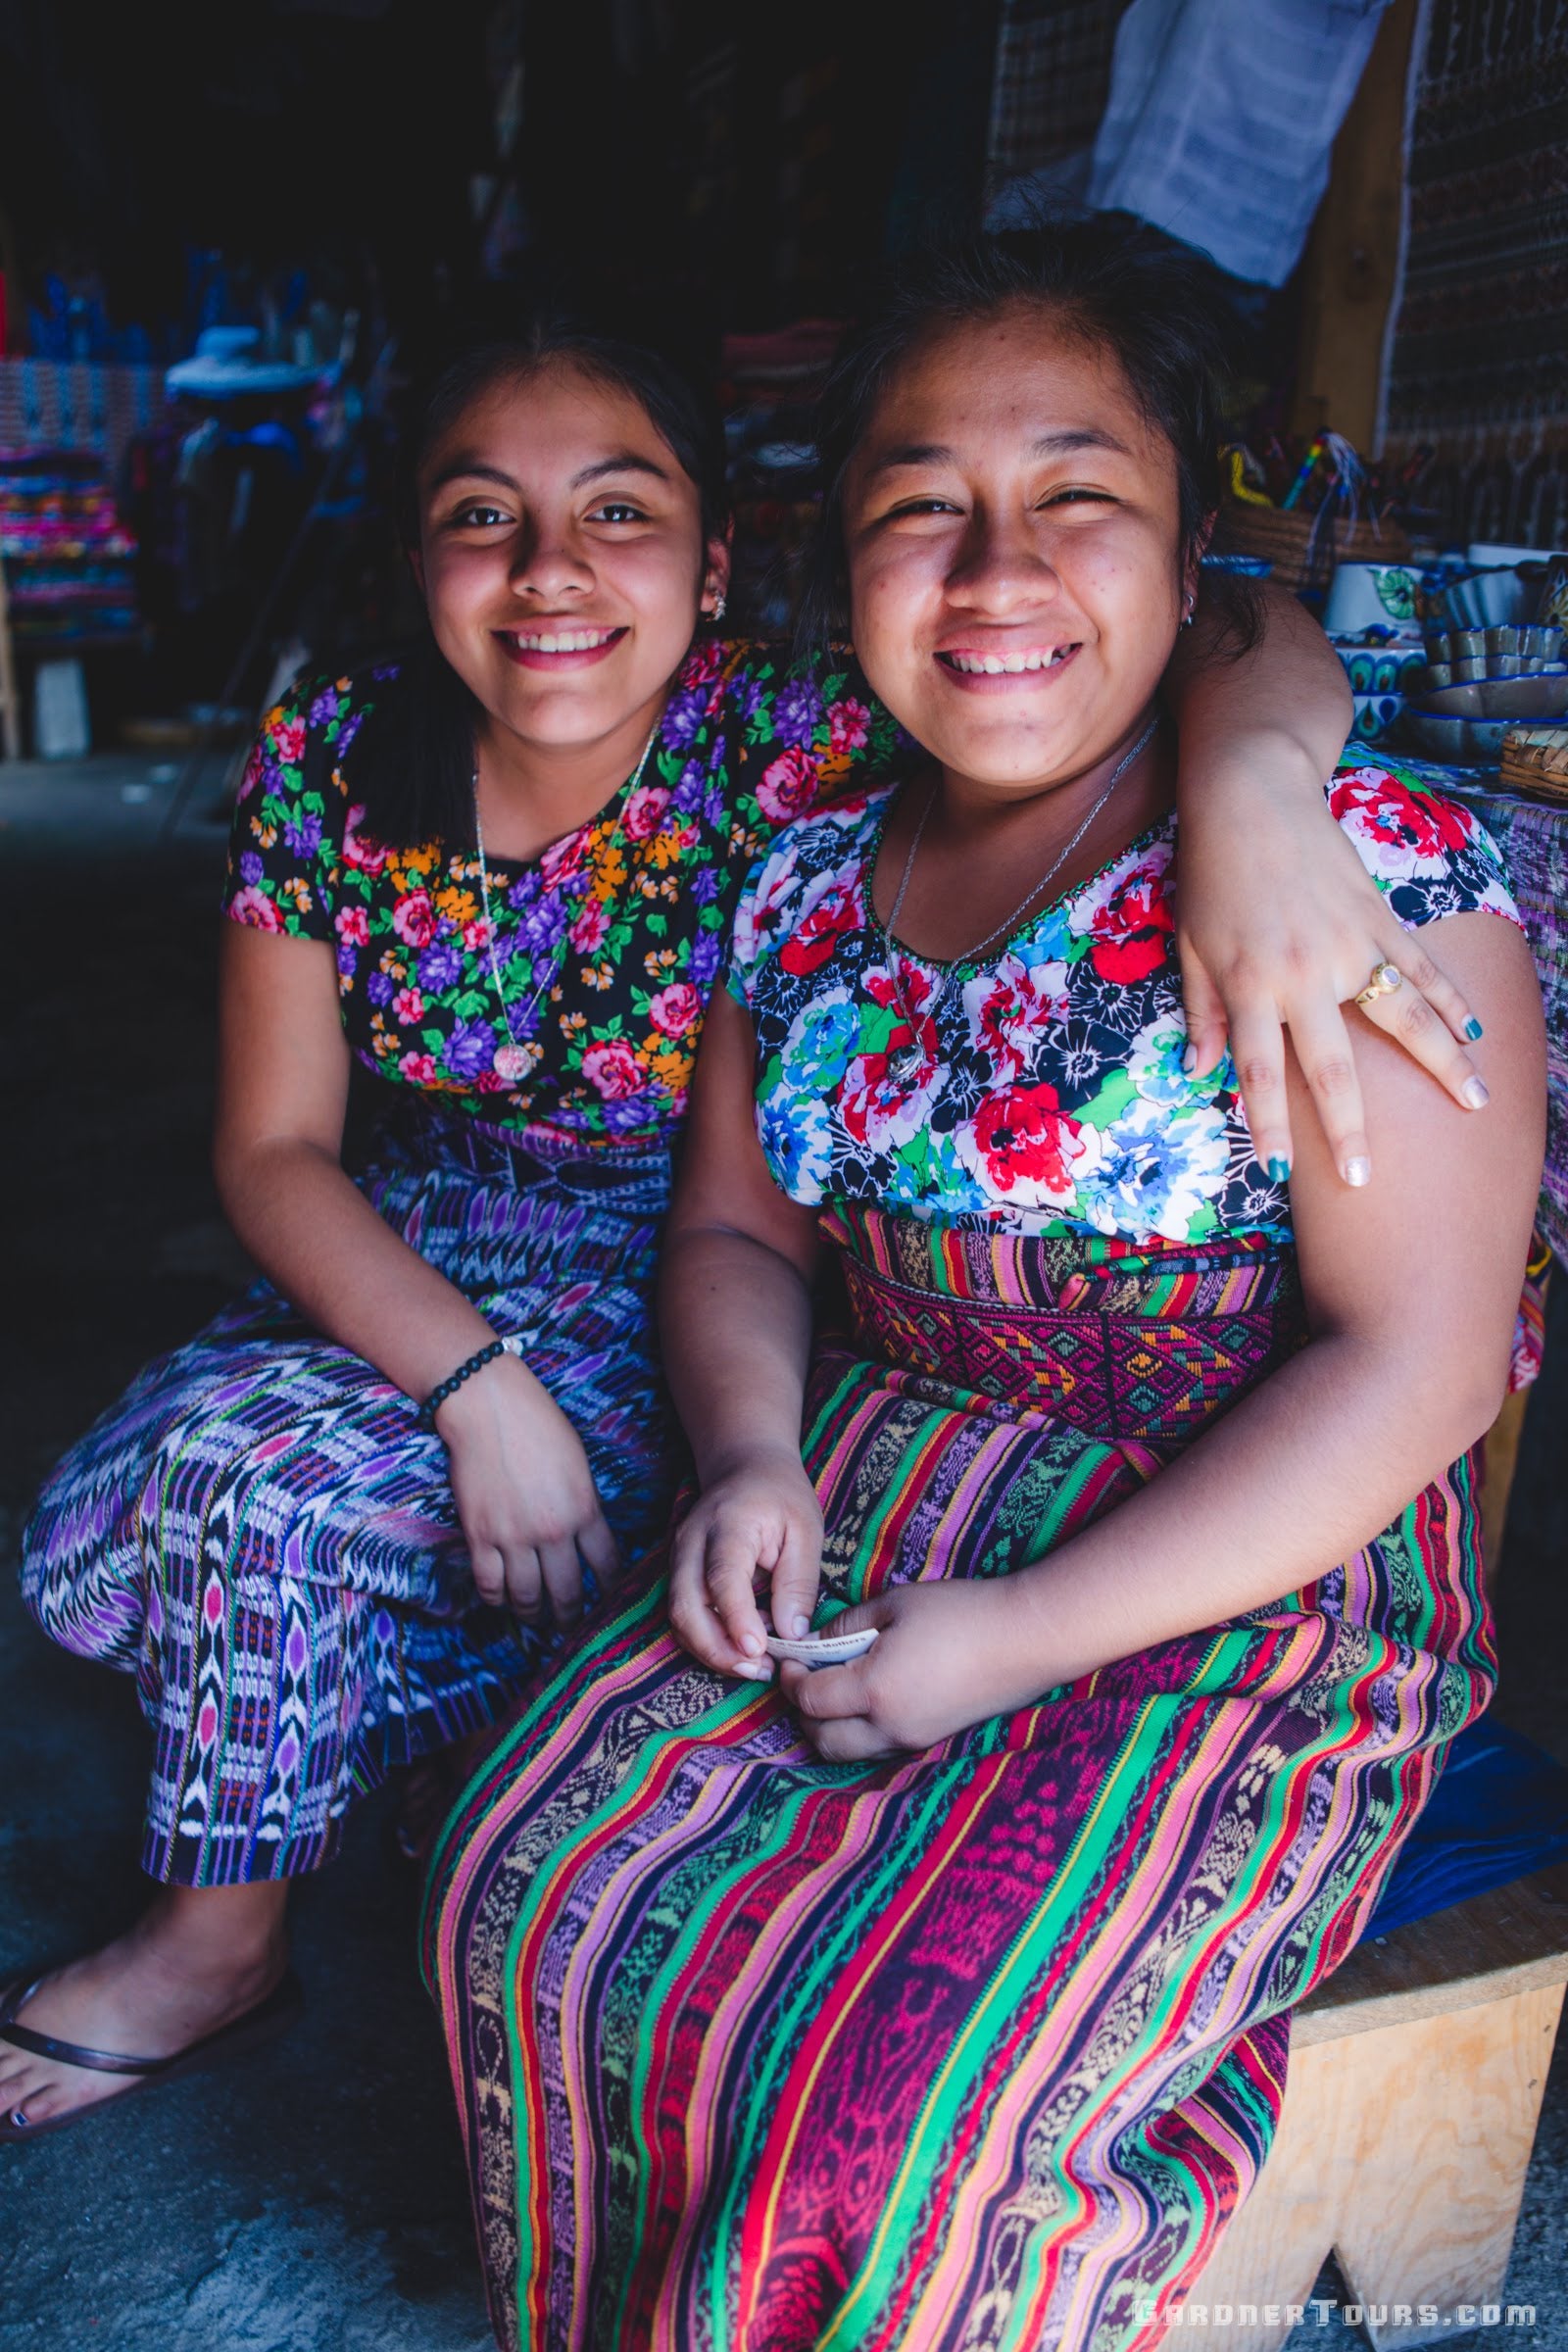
x=562 y=556
x=1012 y=526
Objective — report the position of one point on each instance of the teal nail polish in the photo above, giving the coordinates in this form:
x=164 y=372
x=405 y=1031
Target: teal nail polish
x=1279 y=1171
x=1473 y=1029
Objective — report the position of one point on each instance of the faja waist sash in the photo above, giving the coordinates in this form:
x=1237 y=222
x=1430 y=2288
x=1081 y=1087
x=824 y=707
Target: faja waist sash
x=1120 y=1340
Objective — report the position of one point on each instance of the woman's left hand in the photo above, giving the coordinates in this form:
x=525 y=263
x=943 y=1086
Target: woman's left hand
x=946 y=1655
x=1280 y=925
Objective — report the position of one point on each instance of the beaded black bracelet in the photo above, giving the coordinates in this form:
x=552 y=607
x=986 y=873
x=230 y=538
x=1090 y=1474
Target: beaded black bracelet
x=455 y=1380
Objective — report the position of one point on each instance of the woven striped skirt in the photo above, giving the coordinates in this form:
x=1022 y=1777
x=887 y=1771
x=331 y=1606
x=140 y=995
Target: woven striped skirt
x=260 y=1532
x=980 y=2047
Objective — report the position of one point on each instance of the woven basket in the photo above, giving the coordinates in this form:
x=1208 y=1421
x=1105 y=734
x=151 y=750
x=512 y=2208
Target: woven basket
x=1303 y=548
x=1535 y=759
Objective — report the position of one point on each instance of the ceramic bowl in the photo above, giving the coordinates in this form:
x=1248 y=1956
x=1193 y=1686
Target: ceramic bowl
x=1453 y=702
x=1375 y=715
x=1544 y=695
x=1473 y=668
x=1537 y=642
x=1361 y=594
x=1502 y=597
x=1459 y=741
x=1488 y=600
x=1485 y=554
x=1378 y=661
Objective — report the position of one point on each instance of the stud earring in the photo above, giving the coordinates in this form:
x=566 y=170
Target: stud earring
x=1188 y=616
x=720 y=605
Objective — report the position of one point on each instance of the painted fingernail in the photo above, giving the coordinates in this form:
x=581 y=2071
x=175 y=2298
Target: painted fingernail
x=1190 y=1059
x=1279 y=1171
x=1473 y=1029
x=1358 y=1172
x=1475 y=1094
x=800 y=1626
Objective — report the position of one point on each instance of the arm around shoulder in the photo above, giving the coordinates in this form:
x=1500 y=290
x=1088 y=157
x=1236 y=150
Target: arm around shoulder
x=1427 y=1261
x=1411 y=1285
x=1278 y=921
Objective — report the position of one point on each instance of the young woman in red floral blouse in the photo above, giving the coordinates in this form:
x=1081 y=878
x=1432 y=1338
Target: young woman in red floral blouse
x=342 y=1526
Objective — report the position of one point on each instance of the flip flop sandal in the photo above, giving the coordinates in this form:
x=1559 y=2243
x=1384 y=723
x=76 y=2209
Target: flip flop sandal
x=268 y=2019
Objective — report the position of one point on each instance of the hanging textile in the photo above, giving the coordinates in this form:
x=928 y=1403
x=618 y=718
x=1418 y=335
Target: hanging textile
x=1221 y=119
x=1479 y=363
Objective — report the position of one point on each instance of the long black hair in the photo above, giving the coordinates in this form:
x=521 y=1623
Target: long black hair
x=416 y=775
x=1111 y=280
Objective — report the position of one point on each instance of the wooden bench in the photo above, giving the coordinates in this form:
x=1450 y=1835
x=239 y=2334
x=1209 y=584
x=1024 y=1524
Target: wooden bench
x=1415 y=2082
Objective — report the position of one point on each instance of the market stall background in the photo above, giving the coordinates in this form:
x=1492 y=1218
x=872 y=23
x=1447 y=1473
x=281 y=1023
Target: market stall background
x=229 y=239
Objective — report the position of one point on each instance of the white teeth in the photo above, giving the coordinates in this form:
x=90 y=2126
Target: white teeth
x=561 y=641
x=991 y=666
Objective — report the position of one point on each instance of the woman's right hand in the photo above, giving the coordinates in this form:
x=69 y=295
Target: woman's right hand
x=525 y=1496
x=758 y=1522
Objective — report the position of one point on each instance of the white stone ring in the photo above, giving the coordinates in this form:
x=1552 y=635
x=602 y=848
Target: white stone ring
x=1385 y=978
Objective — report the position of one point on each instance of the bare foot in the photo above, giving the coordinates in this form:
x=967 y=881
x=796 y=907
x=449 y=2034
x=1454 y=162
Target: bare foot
x=195 y=1961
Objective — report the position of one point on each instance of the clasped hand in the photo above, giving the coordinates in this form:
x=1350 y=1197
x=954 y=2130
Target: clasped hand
x=947 y=1654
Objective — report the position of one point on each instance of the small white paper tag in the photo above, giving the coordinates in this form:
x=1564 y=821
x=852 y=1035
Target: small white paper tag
x=824 y=1649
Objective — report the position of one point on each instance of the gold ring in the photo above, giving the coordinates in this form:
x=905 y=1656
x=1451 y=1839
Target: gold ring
x=1385 y=978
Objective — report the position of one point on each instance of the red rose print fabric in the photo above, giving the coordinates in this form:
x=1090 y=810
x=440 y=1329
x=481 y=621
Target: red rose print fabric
x=1045 y=1093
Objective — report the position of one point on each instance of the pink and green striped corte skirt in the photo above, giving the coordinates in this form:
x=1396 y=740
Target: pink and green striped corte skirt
x=982 y=2047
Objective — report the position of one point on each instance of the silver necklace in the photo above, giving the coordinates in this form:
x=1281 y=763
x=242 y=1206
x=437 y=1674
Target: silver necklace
x=906 y=1065
x=513 y=1059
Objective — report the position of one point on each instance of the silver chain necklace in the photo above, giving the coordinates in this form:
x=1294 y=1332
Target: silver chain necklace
x=906 y=1065
x=513 y=1059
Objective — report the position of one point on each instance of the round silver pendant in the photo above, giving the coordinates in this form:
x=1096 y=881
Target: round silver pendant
x=510 y=1062
x=905 y=1066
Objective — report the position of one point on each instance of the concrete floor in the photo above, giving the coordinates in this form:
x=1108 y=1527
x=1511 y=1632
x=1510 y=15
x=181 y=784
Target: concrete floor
x=313 y=2199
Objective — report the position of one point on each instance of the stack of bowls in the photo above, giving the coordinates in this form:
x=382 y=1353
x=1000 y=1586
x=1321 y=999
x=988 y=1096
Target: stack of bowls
x=1379 y=666
x=1488 y=599
x=1476 y=683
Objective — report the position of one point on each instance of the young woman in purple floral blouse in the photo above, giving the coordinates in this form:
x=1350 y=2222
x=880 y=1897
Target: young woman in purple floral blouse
x=500 y=877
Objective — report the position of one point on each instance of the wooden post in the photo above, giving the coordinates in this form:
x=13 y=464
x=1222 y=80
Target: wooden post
x=1500 y=1458
x=1353 y=260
